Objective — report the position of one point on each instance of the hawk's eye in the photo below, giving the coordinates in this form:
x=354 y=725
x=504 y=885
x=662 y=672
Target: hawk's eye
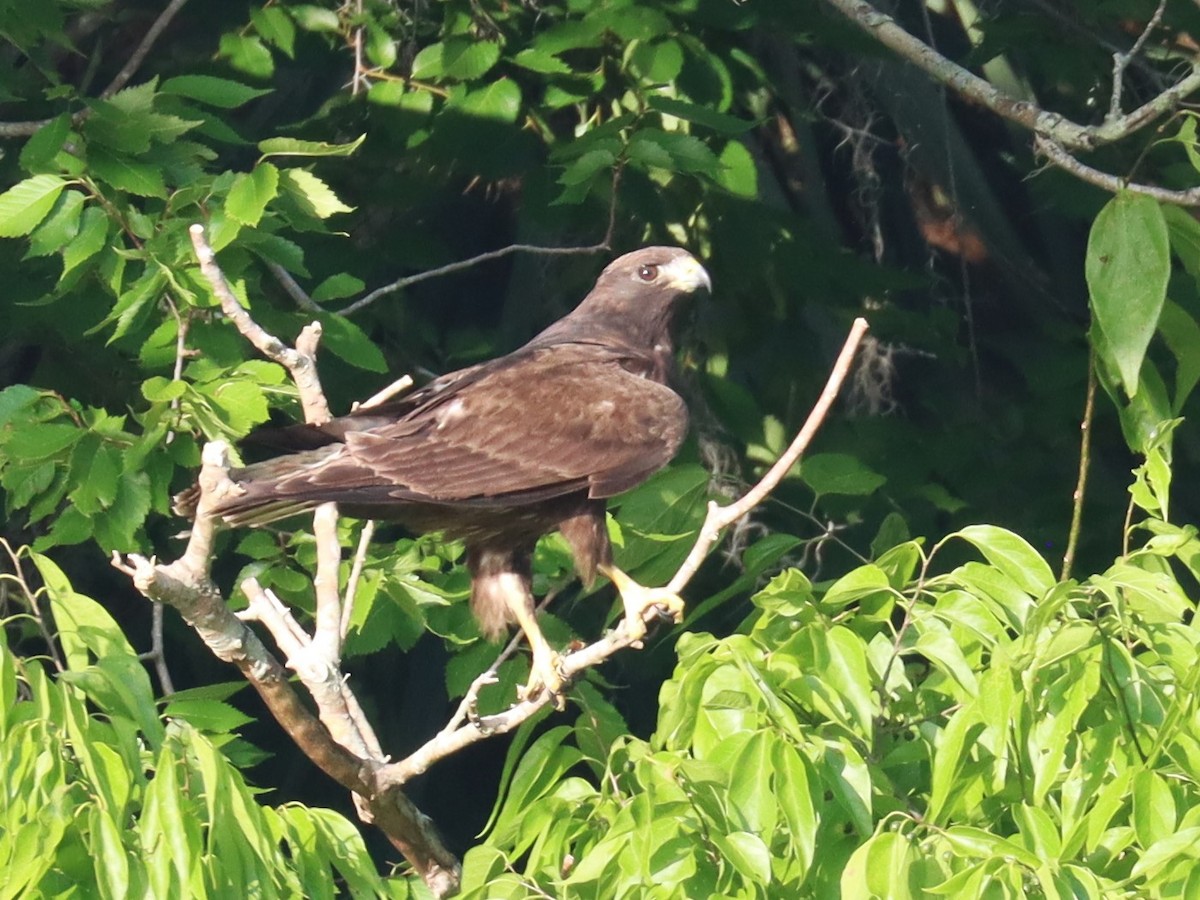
x=648 y=273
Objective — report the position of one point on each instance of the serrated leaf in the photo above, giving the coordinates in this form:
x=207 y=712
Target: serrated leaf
x=700 y=115
x=1128 y=266
x=42 y=440
x=538 y=61
x=60 y=227
x=223 y=93
x=251 y=192
x=27 y=203
x=587 y=166
x=349 y=342
x=315 y=18
x=738 y=173
x=296 y=147
x=840 y=473
x=459 y=57
x=500 y=100
x=276 y=27
x=47 y=142
x=335 y=287
x=127 y=174
x=314 y=194
x=91 y=239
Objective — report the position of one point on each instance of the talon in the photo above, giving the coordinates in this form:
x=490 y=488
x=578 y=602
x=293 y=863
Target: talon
x=545 y=674
x=639 y=601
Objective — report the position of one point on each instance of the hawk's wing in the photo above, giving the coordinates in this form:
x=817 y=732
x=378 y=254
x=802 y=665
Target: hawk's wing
x=557 y=420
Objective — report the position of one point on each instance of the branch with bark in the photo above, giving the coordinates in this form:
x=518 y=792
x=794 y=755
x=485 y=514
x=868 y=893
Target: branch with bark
x=1055 y=136
x=337 y=737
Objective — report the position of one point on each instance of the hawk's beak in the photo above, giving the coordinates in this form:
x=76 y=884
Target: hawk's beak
x=686 y=274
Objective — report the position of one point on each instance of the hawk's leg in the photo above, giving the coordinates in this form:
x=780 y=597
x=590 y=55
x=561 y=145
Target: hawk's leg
x=543 y=670
x=639 y=600
x=502 y=593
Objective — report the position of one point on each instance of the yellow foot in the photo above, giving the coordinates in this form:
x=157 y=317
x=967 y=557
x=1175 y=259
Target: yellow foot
x=639 y=601
x=544 y=674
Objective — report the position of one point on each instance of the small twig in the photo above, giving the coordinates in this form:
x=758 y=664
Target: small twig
x=1085 y=444
x=1121 y=61
x=401 y=384
x=292 y=288
x=300 y=362
x=356 y=569
x=32 y=600
x=408 y=281
x=182 y=324
x=1059 y=156
x=358 y=78
x=719 y=517
x=470 y=701
x=157 y=655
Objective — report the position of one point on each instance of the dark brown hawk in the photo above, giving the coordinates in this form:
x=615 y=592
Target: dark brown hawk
x=501 y=453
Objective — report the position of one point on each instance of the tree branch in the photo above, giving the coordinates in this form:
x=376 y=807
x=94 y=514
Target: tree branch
x=1058 y=155
x=1054 y=126
x=400 y=284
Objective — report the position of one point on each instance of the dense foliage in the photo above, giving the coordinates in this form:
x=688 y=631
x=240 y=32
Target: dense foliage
x=888 y=715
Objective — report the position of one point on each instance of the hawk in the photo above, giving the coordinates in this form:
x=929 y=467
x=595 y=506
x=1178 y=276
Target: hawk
x=501 y=453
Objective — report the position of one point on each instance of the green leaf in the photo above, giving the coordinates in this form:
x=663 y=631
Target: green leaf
x=315 y=18
x=314 y=195
x=349 y=342
x=738 y=173
x=247 y=54
x=251 y=192
x=40 y=441
x=684 y=152
x=336 y=287
x=91 y=239
x=25 y=204
x=1012 y=555
x=459 y=58
x=223 y=93
x=700 y=115
x=538 y=61
x=587 y=166
x=296 y=147
x=500 y=100
x=276 y=27
x=1128 y=266
x=60 y=227
x=127 y=174
x=41 y=150
x=839 y=473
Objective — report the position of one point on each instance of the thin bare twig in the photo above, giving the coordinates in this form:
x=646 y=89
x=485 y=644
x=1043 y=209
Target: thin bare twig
x=292 y=288
x=1085 y=445
x=300 y=361
x=399 y=386
x=1121 y=61
x=1059 y=156
x=356 y=569
x=408 y=281
x=718 y=517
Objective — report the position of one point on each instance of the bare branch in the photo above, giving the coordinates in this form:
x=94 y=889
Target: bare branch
x=408 y=281
x=300 y=362
x=1085 y=458
x=1121 y=61
x=1056 y=127
x=292 y=288
x=1059 y=156
x=360 y=558
x=719 y=517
